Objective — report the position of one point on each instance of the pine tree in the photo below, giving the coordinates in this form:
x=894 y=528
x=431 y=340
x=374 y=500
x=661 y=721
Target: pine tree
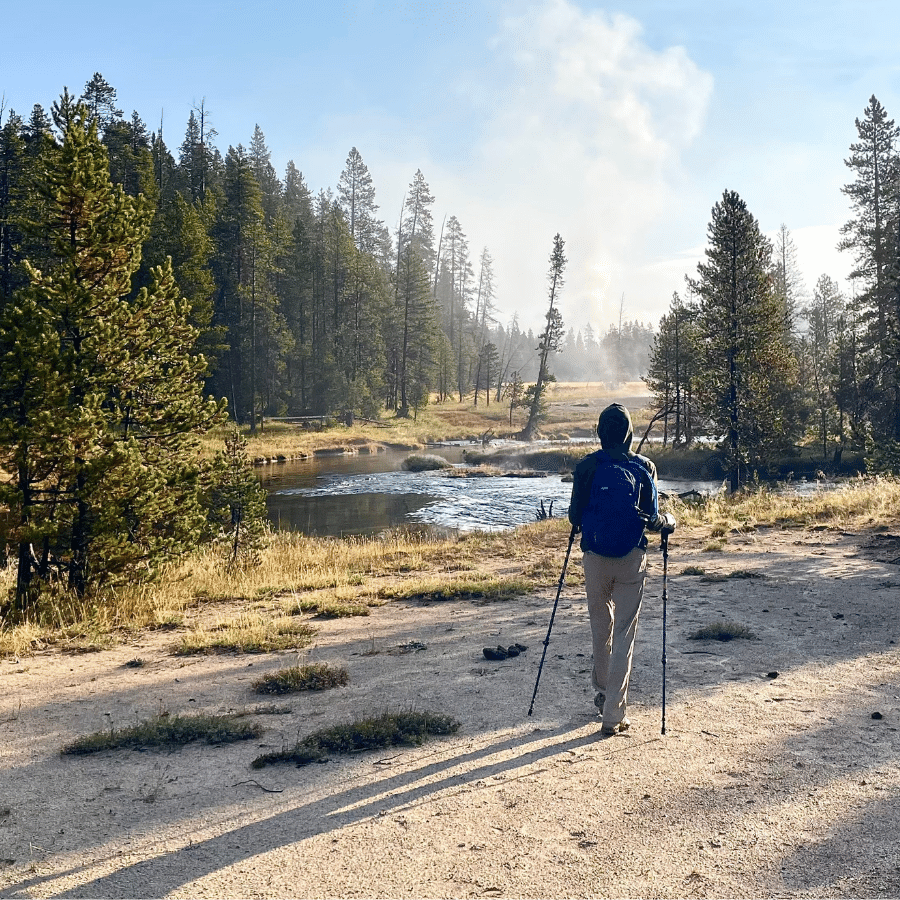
x=873 y=236
x=99 y=392
x=413 y=299
x=550 y=340
x=746 y=370
x=100 y=99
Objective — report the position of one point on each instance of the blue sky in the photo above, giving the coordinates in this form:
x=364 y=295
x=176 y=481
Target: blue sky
x=616 y=124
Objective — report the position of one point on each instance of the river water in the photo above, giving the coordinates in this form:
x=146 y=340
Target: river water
x=337 y=495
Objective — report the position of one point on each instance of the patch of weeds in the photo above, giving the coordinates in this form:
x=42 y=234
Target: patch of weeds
x=475 y=588
x=746 y=573
x=387 y=730
x=247 y=637
x=714 y=547
x=313 y=677
x=135 y=663
x=718 y=531
x=693 y=570
x=541 y=569
x=165 y=730
x=723 y=631
x=328 y=609
x=714 y=578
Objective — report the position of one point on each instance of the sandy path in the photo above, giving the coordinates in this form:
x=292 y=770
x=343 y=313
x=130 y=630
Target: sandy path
x=761 y=786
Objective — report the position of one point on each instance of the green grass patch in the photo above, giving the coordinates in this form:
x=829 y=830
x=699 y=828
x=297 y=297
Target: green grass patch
x=313 y=677
x=243 y=636
x=723 y=631
x=387 y=730
x=165 y=730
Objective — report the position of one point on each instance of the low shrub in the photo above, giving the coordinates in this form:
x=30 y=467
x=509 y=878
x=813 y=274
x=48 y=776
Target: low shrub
x=165 y=730
x=312 y=677
x=722 y=631
x=387 y=730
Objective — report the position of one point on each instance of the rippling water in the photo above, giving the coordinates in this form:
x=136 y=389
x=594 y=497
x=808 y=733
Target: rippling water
x=363 y=495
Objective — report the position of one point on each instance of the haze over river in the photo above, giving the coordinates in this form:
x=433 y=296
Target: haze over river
x=340 y=494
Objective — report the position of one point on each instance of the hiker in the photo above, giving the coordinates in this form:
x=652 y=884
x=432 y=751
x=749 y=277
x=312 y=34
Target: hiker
x=613 y=498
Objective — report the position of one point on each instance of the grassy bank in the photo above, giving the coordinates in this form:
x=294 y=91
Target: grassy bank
x=300 y=580
x=573 y=408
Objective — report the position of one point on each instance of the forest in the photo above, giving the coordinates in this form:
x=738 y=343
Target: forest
x=306 y=303
x=748 y=358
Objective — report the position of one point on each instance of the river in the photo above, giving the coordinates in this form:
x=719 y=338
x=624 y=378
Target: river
x=345 y=494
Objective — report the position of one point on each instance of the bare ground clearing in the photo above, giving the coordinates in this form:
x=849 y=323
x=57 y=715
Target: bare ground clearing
x=762 y=785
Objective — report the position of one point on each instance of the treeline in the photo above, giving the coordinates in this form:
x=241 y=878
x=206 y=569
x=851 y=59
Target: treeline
x=749 y=359
x=305 y=303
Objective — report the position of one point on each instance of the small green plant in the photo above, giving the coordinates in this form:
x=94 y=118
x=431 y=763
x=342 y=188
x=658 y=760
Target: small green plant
x=714 y=547
x=313 y=677
x=387 y=730
x=165 y=730
x=237 y=502
x=723 y=631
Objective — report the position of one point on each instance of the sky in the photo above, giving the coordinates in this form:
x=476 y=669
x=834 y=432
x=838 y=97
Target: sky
x=617 y=125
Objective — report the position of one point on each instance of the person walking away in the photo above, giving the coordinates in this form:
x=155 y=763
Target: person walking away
x=614 y=499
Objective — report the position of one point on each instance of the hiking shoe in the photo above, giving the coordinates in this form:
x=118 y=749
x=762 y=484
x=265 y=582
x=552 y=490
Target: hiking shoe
x=615 y=728
x=495 y=653
x=513 y=650
x=599 y=700
x=520 y=647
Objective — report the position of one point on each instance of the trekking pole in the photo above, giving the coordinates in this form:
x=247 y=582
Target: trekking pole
x=562 y=578
x=665 y=552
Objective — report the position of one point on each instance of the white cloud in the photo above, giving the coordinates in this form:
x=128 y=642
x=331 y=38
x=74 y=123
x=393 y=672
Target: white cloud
x=582 y=136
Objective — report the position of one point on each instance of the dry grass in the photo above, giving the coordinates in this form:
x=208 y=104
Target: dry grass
x=861 y=504
x=246 y=635
x=354 y=574
x=476 y=587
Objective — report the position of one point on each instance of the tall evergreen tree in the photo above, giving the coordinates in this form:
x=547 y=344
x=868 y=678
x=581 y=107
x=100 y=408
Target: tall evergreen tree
x=413 y=299
x=873 y=236
x=99 y=393
x=746 y=369
x=100 y=99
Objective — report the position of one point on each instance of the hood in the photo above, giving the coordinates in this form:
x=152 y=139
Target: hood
x=614 y=428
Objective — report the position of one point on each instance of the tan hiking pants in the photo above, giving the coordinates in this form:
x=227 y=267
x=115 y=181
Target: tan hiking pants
x=615 y=587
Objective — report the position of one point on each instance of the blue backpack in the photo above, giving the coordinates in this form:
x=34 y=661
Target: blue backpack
x=612 y=524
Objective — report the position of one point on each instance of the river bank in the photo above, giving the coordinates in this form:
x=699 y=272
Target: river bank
x=778 y=775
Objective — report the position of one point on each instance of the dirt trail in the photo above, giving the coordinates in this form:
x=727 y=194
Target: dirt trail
x=763 y=785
